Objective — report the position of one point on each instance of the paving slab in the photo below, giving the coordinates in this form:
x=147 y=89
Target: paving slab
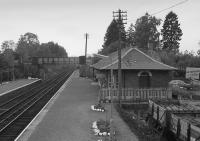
x=13 y=85
x=68 y=116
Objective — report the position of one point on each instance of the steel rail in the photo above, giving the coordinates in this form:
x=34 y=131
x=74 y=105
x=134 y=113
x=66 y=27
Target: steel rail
x=48 y=91
x=9 y=111
x=24 y=93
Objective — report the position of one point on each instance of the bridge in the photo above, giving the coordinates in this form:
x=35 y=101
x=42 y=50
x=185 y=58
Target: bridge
x=55 y=60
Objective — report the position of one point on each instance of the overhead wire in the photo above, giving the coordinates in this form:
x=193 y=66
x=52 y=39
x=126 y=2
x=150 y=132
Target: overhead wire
x=177 y=4
x=182 y=2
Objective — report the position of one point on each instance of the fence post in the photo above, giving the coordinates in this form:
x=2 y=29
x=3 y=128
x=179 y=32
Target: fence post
x=157 y=114
x=152 y=111
x=124 y=93
x=188 y=132
x=178 y=129
x=167 y=124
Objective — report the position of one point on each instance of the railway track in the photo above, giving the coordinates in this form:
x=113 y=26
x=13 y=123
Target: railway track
x=18 y=92
x=17 y=112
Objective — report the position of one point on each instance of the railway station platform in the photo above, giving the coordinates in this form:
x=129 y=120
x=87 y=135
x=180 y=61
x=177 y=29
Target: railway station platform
x=68 y=117
x=7 y=87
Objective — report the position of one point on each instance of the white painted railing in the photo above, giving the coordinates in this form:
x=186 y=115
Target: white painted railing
x=136 y=94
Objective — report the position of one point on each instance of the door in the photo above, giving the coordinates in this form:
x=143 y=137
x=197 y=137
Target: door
x=144 y=80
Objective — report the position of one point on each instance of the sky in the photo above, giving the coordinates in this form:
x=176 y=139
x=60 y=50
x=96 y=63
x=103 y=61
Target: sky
x=66 y=21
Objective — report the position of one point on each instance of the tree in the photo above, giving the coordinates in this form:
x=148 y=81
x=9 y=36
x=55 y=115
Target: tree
x=8 y=56
x=198 y=52
x=7 y=48
x=27 y=45
x=146 y=31
x=3 y=62
x=51 y=49
x=9 y=44
x=112 y=48
x=171 y=33
x=131 y=35
x=112 y=35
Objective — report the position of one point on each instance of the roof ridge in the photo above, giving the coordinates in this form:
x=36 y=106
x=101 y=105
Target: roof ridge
x=154 y=59
x=117 y=59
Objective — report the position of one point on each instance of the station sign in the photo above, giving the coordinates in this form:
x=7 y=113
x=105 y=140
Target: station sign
x=192 y=73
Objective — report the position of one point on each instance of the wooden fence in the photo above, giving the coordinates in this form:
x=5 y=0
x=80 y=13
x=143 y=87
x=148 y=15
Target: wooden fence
x=136 y=94
x=160 y=114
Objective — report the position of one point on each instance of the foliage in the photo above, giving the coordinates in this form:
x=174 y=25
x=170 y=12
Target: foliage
x=112 y=35
x=146 y=31
x=3 y=63
x=112 y=48
x=8 y=44
x=198 y=52
x=142 y=130
x=171 y=33
x=27 y=45
x=9 y=57
x=168 y=58
x=180 y=60
x=131 y=35
x=51 y=49
x=7 y=48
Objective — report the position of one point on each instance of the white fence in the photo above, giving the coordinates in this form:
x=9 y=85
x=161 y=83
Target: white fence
x=136 y=94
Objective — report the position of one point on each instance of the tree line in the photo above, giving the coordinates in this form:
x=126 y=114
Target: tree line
x=144 y=34
x=27 y=46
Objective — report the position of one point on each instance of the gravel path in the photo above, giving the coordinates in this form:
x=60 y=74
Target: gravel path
x=70 y=117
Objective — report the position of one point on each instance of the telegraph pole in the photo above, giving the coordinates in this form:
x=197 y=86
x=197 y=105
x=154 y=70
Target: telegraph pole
x=120 y=16
x=86 y=38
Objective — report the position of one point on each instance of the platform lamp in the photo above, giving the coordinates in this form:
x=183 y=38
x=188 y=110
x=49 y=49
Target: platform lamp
x=111 y=92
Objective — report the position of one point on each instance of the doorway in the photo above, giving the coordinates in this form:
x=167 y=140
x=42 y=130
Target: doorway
x=144 y=79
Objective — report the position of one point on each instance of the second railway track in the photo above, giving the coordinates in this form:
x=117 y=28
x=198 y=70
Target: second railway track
x=17 y=112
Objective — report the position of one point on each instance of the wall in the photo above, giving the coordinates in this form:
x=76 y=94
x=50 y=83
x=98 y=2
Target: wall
x=130 y=79
x=158 y=78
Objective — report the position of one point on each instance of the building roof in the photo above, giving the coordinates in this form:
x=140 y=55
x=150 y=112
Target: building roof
x=132 y=58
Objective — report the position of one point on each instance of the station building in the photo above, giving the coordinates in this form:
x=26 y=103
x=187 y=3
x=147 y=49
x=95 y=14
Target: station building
x=139 y=71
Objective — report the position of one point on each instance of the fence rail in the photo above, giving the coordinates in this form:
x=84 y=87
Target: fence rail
x=161 y=115
x=136 y=94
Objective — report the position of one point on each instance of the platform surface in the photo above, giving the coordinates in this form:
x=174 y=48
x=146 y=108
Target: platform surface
x=12 y=85
x=70 y=118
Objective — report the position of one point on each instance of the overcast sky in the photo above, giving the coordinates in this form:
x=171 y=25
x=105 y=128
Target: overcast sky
x=66 y=21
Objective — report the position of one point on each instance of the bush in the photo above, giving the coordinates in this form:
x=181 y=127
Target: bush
x=142 y=130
